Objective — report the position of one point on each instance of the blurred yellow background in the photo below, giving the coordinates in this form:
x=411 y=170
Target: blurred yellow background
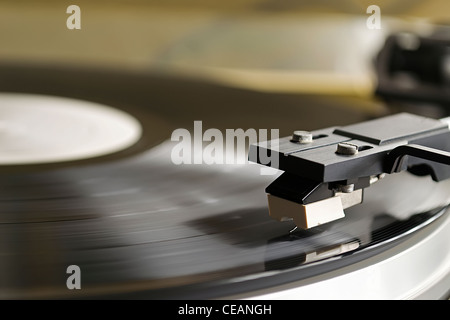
x=309 y=46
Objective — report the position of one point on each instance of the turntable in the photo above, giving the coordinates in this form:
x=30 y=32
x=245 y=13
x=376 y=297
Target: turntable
x=93 y=205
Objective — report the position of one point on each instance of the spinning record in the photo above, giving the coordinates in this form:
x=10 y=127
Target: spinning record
x=140 y=226
x=103 y=195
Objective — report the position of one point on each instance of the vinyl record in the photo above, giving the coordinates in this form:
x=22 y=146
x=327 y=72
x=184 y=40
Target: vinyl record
x=138 y=225
x=142 y=226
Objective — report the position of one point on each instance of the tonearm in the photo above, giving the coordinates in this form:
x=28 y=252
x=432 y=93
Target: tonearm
x=326 y=171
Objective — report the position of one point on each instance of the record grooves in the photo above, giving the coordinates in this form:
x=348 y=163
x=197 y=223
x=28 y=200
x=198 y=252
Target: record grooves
x=124 y=231
x=140 y=226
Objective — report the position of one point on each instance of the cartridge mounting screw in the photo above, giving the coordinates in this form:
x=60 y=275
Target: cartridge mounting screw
x=302 y=136
x=346 y=148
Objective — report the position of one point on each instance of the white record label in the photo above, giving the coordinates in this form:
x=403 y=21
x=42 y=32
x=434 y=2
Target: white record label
x=38 y=129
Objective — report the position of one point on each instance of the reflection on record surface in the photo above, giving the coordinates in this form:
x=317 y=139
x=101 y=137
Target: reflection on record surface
x=143 y=224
